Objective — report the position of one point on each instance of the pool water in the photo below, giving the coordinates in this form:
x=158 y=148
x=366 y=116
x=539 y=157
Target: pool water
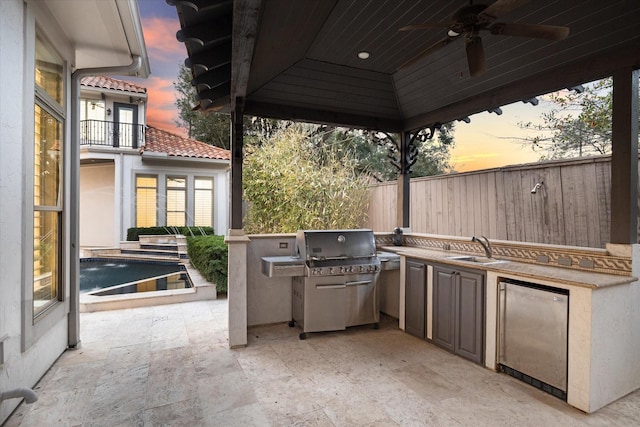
x=118 y=276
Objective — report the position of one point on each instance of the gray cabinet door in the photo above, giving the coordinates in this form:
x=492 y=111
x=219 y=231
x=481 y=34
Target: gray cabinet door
x=415 y=302
x=444 y=296
x=458 y=312
x=469 y=313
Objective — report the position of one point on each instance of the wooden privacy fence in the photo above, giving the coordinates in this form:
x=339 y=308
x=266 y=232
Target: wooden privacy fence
x=572 y=207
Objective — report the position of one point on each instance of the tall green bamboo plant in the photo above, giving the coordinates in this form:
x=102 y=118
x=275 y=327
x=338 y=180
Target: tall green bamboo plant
x=291 y=183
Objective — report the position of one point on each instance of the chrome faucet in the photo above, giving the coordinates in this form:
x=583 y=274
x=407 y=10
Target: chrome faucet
x=486 y=247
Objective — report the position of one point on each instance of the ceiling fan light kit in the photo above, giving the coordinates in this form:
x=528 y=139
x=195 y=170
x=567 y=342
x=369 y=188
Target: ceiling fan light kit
x=470 y=20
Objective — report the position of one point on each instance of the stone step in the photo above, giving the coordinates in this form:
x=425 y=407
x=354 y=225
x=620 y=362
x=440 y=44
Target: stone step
x=159 y=246
x=135 y=256
x=151 y=252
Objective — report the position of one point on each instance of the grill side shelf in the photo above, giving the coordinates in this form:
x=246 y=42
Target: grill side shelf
x=282 y=266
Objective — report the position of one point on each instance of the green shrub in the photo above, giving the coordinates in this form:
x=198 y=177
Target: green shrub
x=209 y=255
x=291 y=184
x=134 y=233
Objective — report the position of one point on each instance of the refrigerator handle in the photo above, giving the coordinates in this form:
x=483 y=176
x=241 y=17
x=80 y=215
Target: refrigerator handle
x=502 y=307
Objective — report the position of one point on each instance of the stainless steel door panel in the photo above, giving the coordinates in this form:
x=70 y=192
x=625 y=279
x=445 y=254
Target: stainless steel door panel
x=362 y=301
x=533 y=333
x=325 y=305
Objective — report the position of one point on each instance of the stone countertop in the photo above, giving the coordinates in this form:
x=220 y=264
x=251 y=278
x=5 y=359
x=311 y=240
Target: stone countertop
x=531 y=271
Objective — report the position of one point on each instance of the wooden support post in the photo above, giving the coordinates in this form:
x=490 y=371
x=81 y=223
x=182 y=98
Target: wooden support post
x=236 y=240
x=624 y=158
x=403 y=194
x=237 y=146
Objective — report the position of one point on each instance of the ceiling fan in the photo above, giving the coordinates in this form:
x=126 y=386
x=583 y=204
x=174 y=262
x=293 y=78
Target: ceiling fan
x=469 y=20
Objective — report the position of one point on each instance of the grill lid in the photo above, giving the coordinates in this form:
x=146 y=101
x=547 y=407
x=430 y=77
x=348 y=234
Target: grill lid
x=321 y=245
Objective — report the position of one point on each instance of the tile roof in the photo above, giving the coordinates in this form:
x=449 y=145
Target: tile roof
x=161 y=141
x=104 y=82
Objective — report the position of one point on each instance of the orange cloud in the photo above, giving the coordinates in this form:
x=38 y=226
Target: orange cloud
x=161 y=109
x=161 y=43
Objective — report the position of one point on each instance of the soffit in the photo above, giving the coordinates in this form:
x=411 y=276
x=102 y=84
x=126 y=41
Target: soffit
x=304 y=65
x=103 y=33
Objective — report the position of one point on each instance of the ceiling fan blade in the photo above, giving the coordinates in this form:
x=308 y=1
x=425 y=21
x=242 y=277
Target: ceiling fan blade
x=499 y=8
x=426 y=26
x=546 y=32
x=475 y=56
x=427 y=51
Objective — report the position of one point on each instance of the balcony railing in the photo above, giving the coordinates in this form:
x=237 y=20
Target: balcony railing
x=111 y=134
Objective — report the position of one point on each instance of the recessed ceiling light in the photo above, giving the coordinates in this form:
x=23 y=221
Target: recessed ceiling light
x=363 y=55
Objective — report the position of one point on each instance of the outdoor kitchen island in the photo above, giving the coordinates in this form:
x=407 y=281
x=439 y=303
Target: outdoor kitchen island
x=603 y=339
x=603 y=336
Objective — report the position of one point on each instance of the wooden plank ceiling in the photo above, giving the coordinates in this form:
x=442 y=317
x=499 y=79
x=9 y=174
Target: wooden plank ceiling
x=297 y=59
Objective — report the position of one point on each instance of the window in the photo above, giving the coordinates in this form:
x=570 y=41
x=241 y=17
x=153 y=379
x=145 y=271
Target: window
x=146 y=201
x=93 y=128
x=176 y=201
x=203 y=202
x=48 y=72
x=92 y=109
x=47 y=181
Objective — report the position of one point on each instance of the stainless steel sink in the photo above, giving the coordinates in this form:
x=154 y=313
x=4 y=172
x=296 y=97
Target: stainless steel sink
x=476 y=259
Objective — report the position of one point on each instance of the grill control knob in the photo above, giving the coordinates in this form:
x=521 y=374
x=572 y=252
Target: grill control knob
x=330 y=270
x=362 y=268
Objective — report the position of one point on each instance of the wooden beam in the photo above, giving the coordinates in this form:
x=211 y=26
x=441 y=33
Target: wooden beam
x=237 y=145
x=403 y=195
x=286 y=112
x=246 y=16
x=566 y=76
x=624 y=157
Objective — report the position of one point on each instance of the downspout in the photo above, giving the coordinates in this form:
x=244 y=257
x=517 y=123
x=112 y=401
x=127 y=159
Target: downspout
x=27 y=394
x=73 y=335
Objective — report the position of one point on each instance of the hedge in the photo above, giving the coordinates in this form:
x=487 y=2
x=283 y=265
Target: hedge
x=209 y=255
x=134 y=233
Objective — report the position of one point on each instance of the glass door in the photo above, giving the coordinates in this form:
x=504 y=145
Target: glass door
x=125 y=129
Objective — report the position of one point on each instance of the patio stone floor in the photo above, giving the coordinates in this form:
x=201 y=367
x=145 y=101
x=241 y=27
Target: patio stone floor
x=169 y=365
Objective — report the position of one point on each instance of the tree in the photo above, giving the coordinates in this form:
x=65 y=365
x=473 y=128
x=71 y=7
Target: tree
x=578 y=124
x=370 y=151
x=434 y=154
x=212 y=128
x=291 y=183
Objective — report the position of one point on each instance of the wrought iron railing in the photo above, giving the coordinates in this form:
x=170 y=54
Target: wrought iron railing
x=111 y=134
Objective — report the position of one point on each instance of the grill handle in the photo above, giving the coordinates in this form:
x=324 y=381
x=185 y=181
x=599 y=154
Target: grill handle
x=359 y=282
x=320 y=286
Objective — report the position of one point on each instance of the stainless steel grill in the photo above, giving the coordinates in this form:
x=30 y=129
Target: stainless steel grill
x=335 y=277
x=339 y=288
x=337 y=252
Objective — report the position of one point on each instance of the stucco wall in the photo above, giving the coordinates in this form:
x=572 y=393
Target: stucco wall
x=27 y=351
x=107 y=192
x=97 y=209
x=11 y=123
x=268 y=299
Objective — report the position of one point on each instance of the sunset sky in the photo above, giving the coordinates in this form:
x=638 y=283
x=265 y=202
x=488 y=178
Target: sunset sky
x=488 y=141
x=160 y=24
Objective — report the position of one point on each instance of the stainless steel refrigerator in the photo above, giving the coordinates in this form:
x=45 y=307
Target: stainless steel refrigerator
x=532 y=340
